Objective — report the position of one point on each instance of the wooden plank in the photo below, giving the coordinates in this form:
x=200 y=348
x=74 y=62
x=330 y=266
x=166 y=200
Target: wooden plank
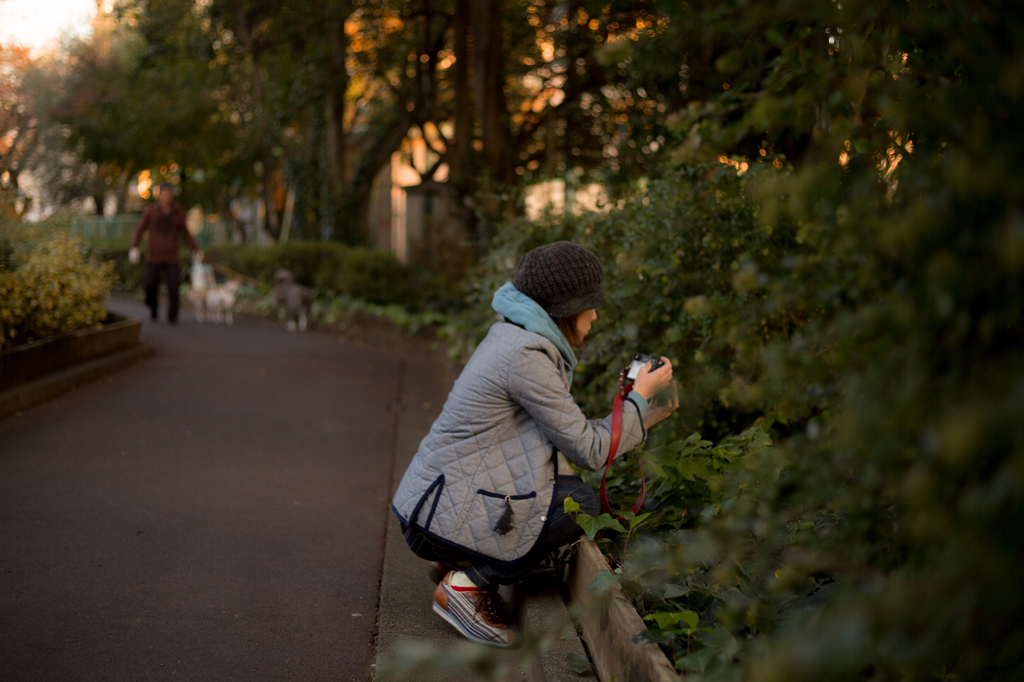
x=609 y=628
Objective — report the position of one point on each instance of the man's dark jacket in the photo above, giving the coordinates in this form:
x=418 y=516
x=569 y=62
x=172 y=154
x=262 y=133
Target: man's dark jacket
x=165 y=229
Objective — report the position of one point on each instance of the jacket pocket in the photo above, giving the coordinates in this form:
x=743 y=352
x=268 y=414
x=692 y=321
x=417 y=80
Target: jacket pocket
x=505 y=513
x=488 y=493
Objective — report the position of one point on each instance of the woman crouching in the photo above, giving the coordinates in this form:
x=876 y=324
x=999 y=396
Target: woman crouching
x=482 y=491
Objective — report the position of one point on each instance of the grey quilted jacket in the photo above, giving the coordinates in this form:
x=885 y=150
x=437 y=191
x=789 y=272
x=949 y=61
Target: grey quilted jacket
x=496 y=438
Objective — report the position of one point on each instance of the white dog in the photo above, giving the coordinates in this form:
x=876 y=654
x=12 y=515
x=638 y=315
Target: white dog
x=203 y=281
x=220 y=302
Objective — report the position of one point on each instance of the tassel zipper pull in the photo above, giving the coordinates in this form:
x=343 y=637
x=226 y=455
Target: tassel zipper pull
x=504 y=524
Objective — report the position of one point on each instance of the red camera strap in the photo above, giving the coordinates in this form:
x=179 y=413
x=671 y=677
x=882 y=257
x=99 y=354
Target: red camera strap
x=620 y=398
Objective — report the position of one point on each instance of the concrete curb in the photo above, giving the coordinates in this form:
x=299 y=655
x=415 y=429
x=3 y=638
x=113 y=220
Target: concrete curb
x=26 y=395
x=609 y=628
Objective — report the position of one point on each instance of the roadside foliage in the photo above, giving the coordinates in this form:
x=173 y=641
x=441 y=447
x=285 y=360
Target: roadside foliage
x=846 y=322
x=48 y=285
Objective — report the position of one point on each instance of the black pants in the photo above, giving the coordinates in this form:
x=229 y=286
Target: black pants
x=561 y=530
x=169 y=273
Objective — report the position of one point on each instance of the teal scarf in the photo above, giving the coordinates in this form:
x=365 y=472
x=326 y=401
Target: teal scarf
x=523 y=310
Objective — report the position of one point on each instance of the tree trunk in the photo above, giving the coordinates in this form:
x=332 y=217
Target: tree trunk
x=99 y=188
x=463 y=111
x=460 y=183
x=265 y=155
x=338 y=81
x=568 y=175
x=122 y=188
x=489 y=73
x=337 y=152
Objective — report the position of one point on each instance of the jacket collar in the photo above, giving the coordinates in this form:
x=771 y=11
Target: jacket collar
x=522 y=310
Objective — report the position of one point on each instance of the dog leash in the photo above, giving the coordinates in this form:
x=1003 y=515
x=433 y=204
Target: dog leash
x=620 y=399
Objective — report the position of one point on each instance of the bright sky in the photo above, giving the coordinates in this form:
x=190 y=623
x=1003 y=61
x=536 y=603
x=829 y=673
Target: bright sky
x=34 y=23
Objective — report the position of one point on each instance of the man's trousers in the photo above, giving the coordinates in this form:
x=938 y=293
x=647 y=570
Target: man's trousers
x=167 y=272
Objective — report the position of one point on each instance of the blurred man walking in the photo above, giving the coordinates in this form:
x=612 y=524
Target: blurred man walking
x=165 y=221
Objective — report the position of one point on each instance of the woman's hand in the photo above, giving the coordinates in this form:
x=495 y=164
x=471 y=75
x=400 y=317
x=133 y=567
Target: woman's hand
x=661 y=406
x=649 y=384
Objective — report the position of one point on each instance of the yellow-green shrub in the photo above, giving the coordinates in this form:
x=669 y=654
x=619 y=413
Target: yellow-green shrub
x=48 y=286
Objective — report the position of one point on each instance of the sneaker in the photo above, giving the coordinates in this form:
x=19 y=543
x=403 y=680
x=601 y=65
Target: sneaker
x=478 y=614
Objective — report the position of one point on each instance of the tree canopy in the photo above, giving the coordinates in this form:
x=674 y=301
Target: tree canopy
x=315 y=98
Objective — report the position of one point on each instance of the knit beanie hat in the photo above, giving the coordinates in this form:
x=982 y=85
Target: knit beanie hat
x=563 y=278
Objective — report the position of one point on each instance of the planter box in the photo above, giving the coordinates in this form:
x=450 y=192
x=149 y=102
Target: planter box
x=609 y=630
x=31 y=361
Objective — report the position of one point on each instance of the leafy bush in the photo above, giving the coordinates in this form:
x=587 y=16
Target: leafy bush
x=369 y=275
x=684 y=264
x=48 y=285
x=701 y=607
x=881 y=539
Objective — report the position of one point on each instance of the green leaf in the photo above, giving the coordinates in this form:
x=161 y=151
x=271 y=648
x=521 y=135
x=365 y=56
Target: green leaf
x=614 y=524
x=696 y=662
x=650 y=460
x=662 y=620
x=692 y=471
x=570 y=505
x=604 y=581
x=673 y=591
x=588 y=523
x=667 y=619
x=578 y=663
x=638 y=520
x=592 y=525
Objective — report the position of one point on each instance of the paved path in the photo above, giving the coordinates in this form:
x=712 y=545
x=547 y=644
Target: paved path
x=217 y=512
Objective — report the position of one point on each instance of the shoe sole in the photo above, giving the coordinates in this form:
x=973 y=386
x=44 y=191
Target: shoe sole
x=458 y=626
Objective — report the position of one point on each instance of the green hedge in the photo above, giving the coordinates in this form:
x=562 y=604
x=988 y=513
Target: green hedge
x=329 y=269
x=356 y=272
x=48 y=283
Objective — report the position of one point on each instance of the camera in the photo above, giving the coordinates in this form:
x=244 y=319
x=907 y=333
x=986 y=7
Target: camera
x=639 y=360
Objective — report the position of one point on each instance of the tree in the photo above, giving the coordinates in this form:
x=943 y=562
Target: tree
x=19 y=124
